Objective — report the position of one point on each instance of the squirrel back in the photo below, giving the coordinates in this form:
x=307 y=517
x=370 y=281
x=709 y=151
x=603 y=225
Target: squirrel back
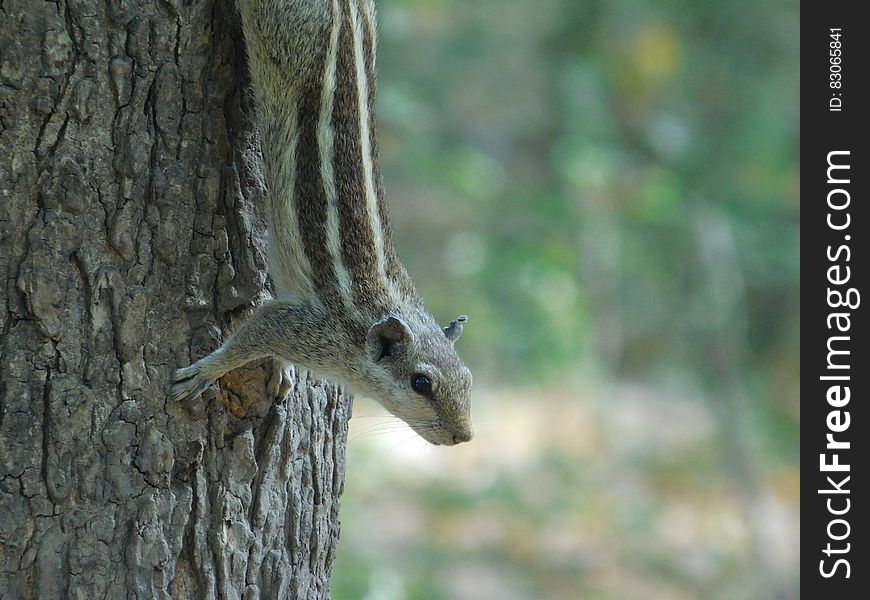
x=313 y=69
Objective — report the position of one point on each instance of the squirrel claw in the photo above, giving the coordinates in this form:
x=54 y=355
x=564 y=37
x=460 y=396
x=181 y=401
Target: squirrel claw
x=188 y=383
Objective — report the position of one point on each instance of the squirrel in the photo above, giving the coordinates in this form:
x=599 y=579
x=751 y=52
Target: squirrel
x=345 y=308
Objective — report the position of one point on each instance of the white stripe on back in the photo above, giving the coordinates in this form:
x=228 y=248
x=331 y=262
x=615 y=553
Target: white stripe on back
x=325 y=139
x=374 y=218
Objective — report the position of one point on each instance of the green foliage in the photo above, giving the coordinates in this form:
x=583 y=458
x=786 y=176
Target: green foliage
x=551 y=162
x=607 y=188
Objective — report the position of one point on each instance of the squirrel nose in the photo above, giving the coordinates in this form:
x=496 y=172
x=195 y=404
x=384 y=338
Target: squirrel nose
x=462 y=436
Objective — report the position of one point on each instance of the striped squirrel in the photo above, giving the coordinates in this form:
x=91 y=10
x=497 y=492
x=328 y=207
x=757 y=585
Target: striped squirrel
x=346 y=308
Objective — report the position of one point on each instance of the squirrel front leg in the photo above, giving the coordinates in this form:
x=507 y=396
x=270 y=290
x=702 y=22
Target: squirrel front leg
x=292 y=331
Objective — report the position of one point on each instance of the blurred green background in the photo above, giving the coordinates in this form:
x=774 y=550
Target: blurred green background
x=610 y=191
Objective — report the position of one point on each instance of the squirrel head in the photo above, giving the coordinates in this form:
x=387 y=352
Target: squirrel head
x=414 y=372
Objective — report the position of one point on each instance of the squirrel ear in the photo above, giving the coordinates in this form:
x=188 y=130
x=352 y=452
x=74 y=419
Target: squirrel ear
x=386 y=336
x=454 y=330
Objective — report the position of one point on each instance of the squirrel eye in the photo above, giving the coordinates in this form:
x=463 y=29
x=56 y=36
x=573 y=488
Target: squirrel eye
x=421 y=384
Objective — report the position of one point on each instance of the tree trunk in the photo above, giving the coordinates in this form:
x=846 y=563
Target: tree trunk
x=131 y=213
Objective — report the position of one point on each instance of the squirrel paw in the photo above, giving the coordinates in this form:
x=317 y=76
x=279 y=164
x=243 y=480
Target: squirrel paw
x=281 y=382
x=189 y=382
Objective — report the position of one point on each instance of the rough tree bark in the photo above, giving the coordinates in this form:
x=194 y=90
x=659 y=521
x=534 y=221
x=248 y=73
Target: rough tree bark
x=132 y=238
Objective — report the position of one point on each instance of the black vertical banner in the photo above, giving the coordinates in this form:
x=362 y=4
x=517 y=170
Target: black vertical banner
x=835 y=56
